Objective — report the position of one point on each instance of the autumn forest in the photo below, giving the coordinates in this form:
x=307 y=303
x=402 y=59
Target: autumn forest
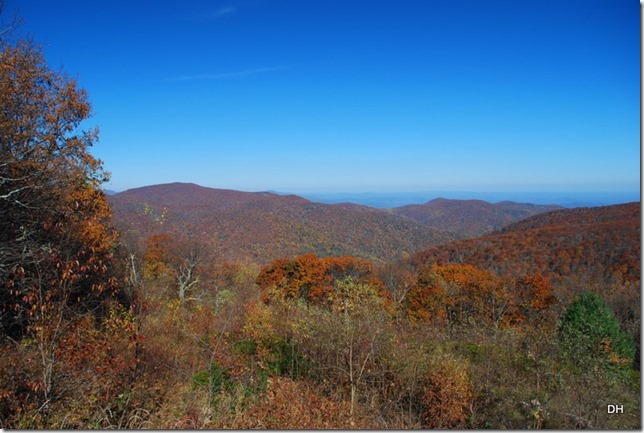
x=177 y=306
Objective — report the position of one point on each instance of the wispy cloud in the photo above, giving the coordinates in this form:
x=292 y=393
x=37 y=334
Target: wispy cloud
x=222 y=12
x=225 y=75
x=211 y=15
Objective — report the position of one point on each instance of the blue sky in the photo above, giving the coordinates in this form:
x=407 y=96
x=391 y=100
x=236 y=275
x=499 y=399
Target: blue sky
x=380 y=96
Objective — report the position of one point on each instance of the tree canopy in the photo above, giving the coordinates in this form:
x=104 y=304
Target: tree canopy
x=54 y=216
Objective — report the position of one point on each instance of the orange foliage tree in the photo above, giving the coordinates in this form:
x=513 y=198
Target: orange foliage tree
x=56 y=244
x=53 y=232
x=534 y=294
x=315 y=279
x=157 y=257
x=459 y=294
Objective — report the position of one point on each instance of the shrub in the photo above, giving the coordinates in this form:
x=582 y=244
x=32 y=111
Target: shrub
x=448 y=394
x=215 y=379
x=289 y=404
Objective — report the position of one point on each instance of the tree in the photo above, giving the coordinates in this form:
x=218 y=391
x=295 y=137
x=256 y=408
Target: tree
x=347 y=341
x=6 y=28
x=157 y=257
x=315 y=279
x=534 y=297
x=175 y=261
x=398 y=279
x=51 y=206
x=590 y=334
x=459 y=294
x=56 y=244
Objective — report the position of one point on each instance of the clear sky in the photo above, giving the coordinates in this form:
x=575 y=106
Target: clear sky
x=347 y=95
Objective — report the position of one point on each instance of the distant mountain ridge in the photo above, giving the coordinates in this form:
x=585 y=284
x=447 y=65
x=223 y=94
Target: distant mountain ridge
x=470 y=218
x=259 y=227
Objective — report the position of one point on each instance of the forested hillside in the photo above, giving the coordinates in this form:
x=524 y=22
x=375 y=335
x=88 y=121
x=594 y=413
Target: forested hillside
x=576 y=249
x=470 y=218
x=602 y=242
x=580 y=216
x=259 y=227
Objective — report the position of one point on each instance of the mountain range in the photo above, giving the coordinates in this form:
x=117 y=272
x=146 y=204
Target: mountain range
x=261 y=226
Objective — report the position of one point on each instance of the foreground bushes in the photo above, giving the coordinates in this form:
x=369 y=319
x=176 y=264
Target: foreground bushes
x=228 y=357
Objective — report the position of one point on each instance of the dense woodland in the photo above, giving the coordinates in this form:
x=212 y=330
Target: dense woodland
x=260 y=227
x=145 y=323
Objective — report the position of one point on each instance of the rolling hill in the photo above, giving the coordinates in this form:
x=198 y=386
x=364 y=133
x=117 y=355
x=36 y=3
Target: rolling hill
x=602 y=242
x=259 y=227
x=470 y=218
x=582 y=216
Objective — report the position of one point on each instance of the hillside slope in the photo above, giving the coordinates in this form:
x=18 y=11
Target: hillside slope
x=577 y=217
x=601 y=242
x=470 y=218
x=259 y=227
